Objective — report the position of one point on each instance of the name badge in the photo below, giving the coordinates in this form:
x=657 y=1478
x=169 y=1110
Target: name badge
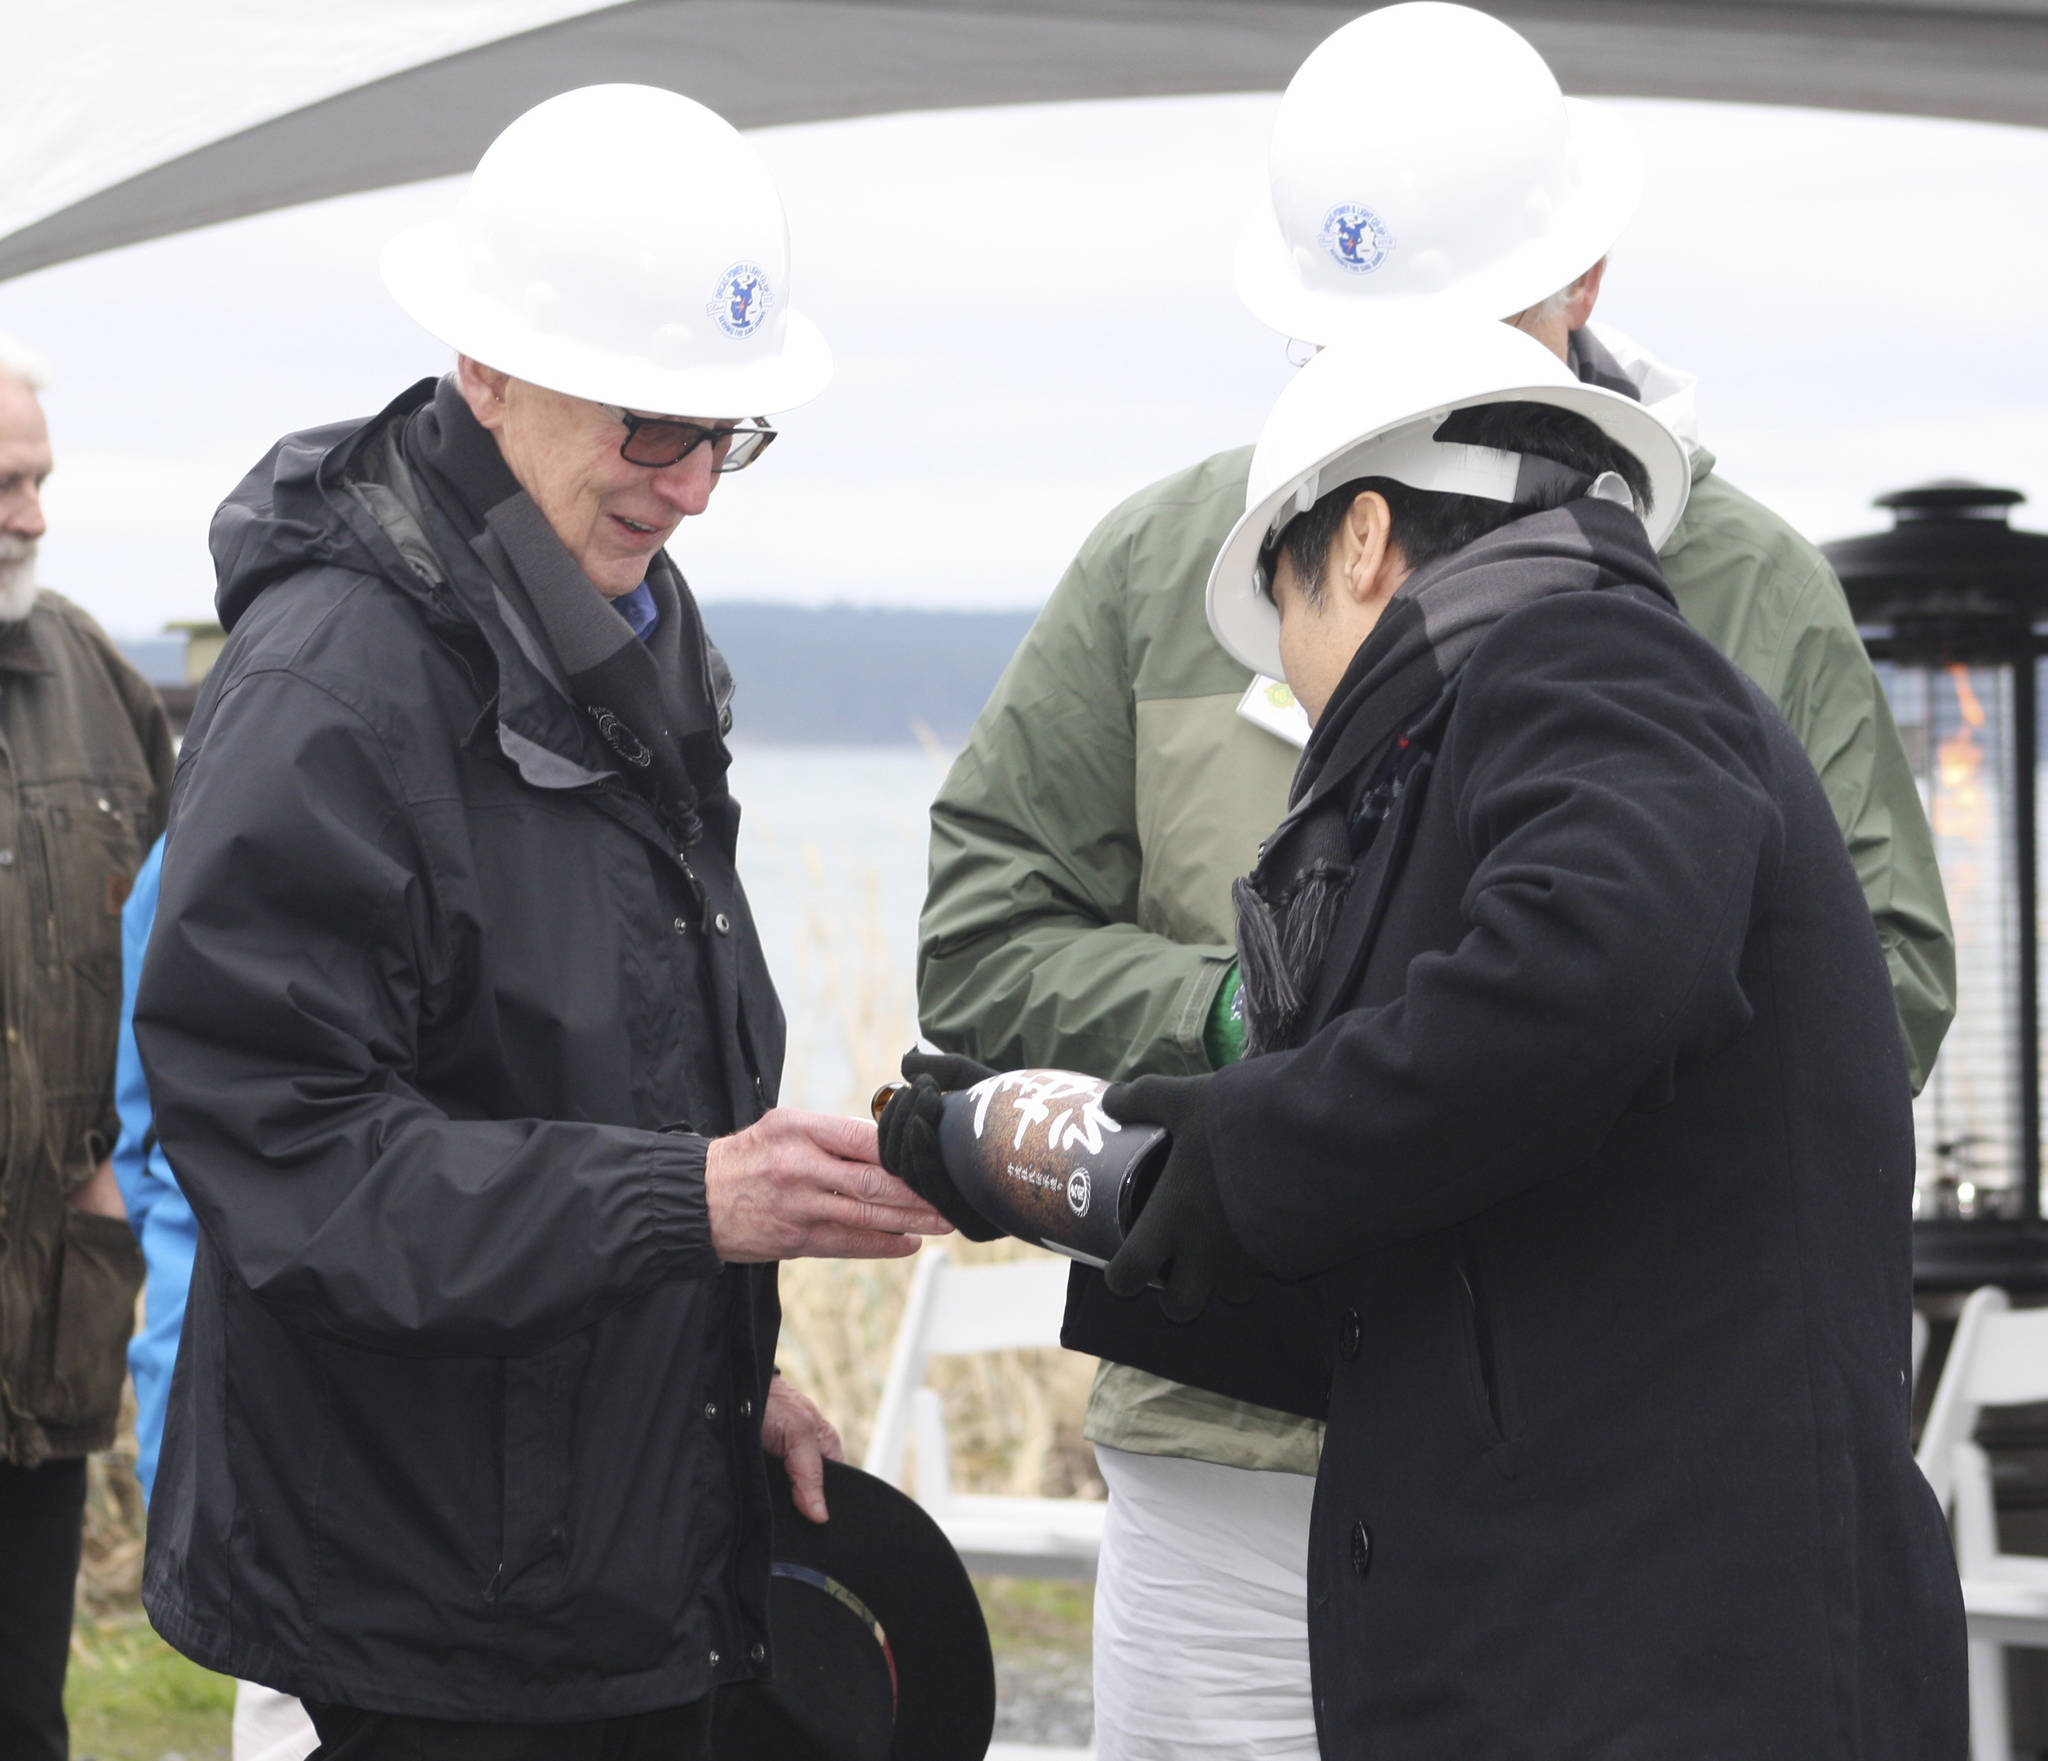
x=1270 y=704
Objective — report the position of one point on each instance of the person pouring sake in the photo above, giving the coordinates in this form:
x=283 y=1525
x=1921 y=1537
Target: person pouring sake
x=1566 y=1021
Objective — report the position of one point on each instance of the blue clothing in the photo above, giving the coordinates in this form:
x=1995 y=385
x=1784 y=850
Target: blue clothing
x=157 y=1210
x=639 y=610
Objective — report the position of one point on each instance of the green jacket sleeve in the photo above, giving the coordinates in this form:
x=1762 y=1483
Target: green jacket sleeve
x=1768 y=600
x=1831 y=696
x=1030 y=945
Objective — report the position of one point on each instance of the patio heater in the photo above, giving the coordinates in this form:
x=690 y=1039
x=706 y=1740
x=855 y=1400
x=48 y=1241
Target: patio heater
x=1953 y=605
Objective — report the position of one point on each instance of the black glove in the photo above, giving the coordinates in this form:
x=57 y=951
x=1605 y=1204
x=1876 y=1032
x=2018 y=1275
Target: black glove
x=1181 y=1240
x=909 y=1131
x=951 y=1073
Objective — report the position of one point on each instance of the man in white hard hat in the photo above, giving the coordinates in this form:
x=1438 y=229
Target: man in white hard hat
x=1126 y=769
x=1566 y=1027
x=456 y=1026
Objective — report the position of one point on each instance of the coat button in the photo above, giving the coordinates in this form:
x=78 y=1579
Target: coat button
x=1348 y=1337
x=746 y=1409
x=711 y=1409
x=722 y=923
x=714 y=1660
x=6 y=858
x=757 y=1652
x=682 y=926
x=1361 y=1549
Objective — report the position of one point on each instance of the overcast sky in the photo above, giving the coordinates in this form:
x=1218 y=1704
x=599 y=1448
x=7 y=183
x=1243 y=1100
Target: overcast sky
x=1032 y=312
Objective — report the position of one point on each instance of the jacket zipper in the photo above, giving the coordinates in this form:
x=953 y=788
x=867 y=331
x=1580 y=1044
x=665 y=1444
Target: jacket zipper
x=698 y=890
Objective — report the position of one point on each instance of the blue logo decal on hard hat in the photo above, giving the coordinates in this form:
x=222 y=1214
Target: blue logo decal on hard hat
x=1356 y=238
x=741 y=300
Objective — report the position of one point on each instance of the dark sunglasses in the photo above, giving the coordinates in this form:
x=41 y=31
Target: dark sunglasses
x=660 y=441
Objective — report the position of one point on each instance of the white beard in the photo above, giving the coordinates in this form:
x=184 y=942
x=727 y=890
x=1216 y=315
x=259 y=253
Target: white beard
x=17 y=578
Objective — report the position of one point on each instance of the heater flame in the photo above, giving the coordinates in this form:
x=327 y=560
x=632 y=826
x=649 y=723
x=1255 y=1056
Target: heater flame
x=1968 y=1161
x=1961 y=808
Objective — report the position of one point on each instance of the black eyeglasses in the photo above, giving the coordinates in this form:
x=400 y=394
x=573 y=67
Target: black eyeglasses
x=660 y=441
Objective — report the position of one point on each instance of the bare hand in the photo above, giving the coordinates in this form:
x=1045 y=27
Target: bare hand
x=793 y=1428
x=799 y=1185
x=101 y=1195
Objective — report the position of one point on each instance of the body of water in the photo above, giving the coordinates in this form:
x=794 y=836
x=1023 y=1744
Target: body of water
x=832 y=851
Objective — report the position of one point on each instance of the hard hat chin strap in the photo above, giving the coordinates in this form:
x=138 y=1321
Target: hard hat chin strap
x=1451 y=467
x=1545 y=482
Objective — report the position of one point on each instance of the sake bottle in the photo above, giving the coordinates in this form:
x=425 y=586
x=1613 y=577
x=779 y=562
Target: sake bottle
x=1034 y=1153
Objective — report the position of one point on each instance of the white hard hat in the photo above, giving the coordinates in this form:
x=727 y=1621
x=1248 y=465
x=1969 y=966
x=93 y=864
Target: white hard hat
x=622 y=244
x=1424 y=153
x=1368 y=406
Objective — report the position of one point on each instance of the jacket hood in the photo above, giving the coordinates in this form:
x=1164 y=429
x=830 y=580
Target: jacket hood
x=1669 y=393
x=286 y=513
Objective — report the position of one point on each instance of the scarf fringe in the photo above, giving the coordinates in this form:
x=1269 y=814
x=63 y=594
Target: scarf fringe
x=1280 y=950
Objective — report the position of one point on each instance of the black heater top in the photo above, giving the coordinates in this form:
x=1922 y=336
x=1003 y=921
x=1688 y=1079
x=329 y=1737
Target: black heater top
x=1951 y=581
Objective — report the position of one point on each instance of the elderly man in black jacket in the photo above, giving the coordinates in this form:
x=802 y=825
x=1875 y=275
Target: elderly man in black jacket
x=1578 y=1089
x=456 y=1024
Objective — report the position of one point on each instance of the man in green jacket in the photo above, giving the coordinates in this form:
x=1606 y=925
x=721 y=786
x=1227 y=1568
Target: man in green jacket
x=1126 y=769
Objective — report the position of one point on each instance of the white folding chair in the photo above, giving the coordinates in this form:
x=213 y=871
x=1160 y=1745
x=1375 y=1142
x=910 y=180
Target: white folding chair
x=1999 y=1357
x=961 y=1311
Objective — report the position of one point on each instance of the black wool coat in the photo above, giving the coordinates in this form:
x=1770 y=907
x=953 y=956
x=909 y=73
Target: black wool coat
x=1602 y=1155
x=466 y=1416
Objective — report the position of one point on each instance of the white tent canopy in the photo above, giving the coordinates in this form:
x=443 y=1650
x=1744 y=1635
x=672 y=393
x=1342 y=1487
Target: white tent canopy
x=97 y=94
x=123 y=120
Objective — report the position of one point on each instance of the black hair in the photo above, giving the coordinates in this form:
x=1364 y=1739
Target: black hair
x=1427 y=524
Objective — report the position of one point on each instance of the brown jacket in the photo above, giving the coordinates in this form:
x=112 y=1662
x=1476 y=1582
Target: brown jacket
x=85 y=772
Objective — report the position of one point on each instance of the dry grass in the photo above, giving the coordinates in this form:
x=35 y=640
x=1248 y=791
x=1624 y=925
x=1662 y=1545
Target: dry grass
x=1014 y=1419
x=110 y=1579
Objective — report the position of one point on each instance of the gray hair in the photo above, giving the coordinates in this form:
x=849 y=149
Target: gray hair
x=1543 y=311
x=19 y=361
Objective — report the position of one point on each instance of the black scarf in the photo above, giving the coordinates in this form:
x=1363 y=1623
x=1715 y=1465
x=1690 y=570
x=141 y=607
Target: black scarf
x=642 y=698
x=1357 y=760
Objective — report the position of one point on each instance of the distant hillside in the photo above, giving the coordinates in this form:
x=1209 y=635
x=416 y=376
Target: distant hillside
x=845 y=675
x=840 y=676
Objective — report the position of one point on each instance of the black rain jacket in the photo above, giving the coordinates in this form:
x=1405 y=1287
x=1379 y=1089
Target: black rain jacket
x=465 y=1420
x=1601 y=1151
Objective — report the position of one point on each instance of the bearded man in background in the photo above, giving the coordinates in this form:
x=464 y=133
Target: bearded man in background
x=85 y=771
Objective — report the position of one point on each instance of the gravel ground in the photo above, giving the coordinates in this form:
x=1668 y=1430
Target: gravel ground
x=1044 y=1697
